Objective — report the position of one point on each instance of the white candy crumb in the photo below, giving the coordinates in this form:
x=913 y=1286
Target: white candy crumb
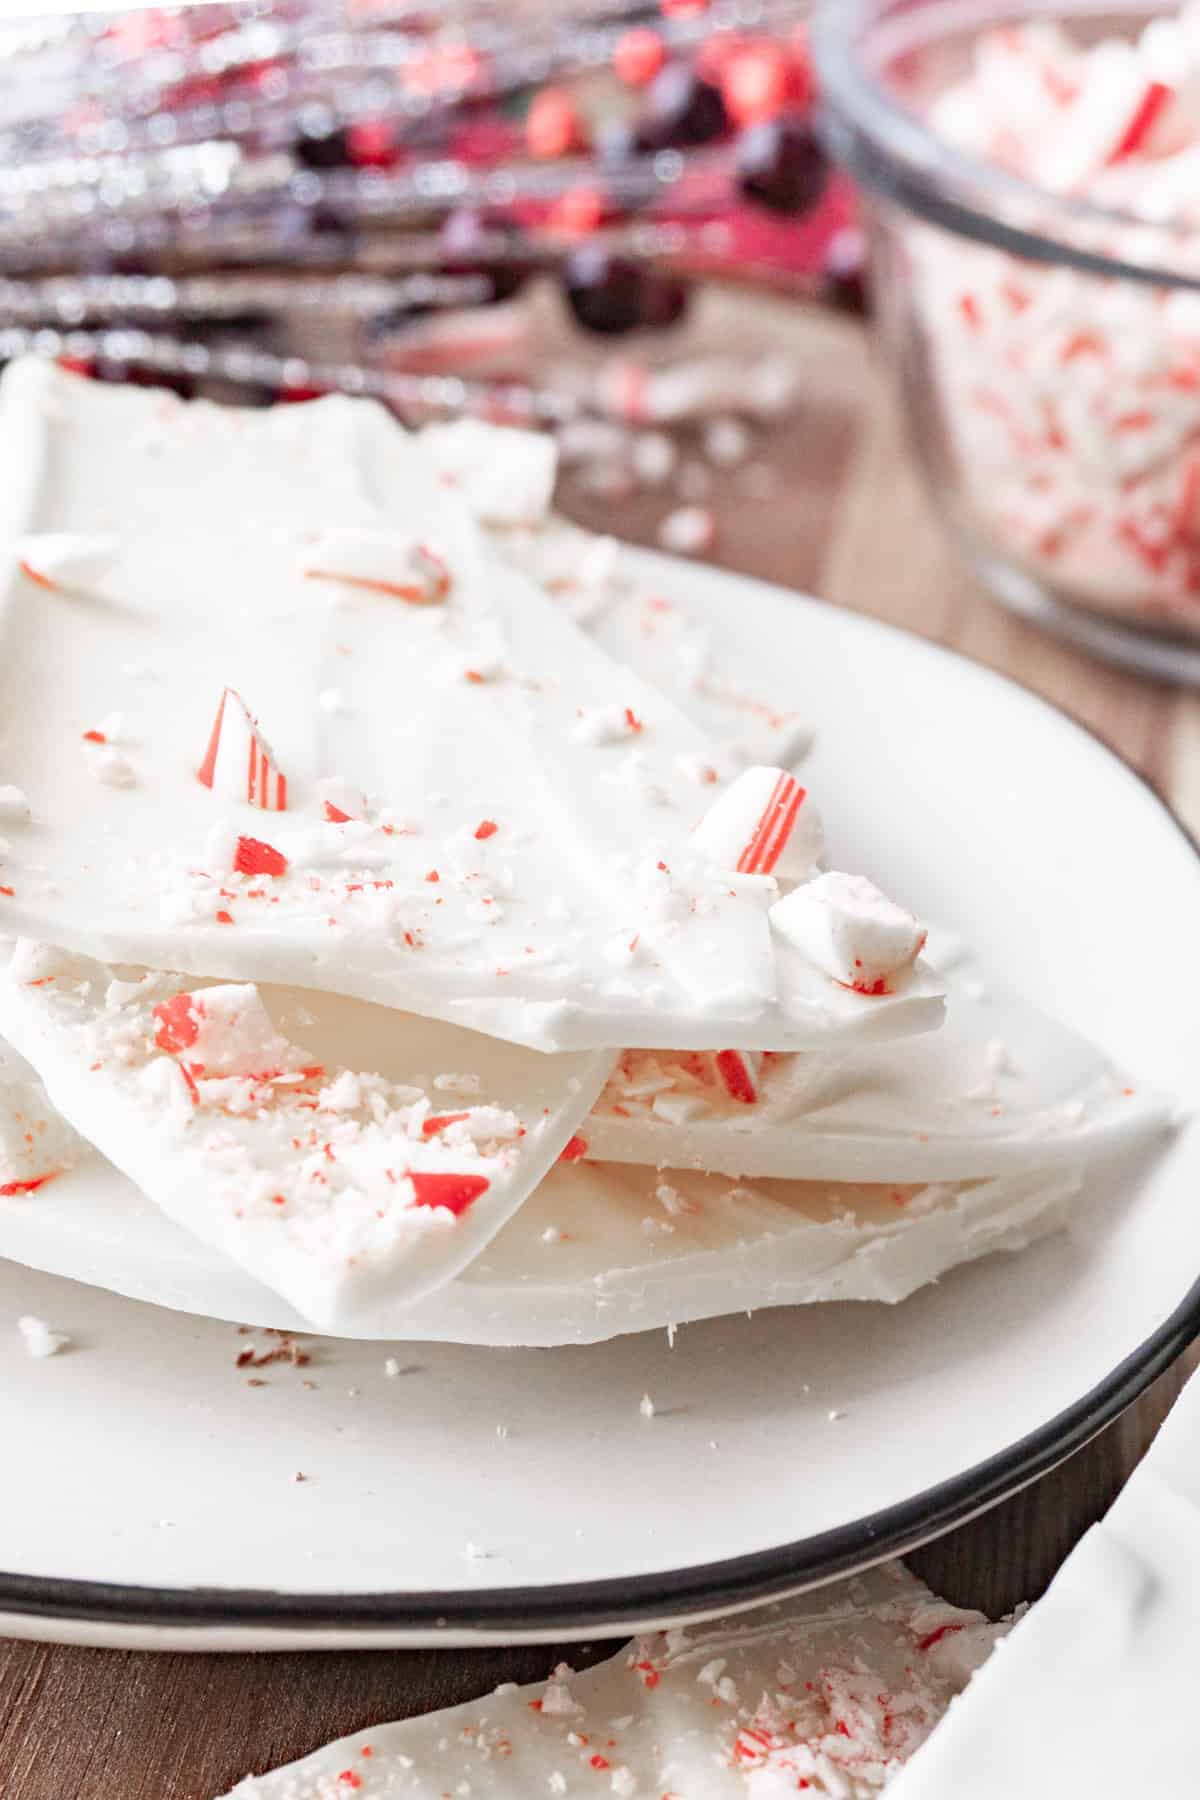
x=654 y=456
x=646 y=1407
x=712 y=1671
x=556 y=1781
x=624 y=1782
x=687 y=531
x=552 y=1235
x=834 y=1414
x=331 y=700
x=502 y=1431
x=112 y=767
x=726 y=1689
x=391 y=1367
x=473 y=1553
x=458 y=1084
x=14 y=806
x=38 y=1338
x=557 y=1700
x=726 y=441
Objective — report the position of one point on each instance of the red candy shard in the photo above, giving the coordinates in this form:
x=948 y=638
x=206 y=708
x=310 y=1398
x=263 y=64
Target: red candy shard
x=774 y=828
x=438 y=1122
x=177 y=1022
x=239 y=761
x=455 y=1192
x=737 y=1076
x=29 y=1186
x=574 y=1149
x=34 y=575
x=486 y=828
x=253 y=857
x=335 y=815
x=94 y=737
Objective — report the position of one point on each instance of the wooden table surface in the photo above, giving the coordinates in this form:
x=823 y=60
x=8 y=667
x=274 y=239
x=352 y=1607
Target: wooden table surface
x=848 y=521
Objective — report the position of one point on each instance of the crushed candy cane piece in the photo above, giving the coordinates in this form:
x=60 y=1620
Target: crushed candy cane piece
x=764 y=823
x=14 y=807
x=225 y=1030
x=606 y=725
x=67 y=561
x=505 y=476
x=738 y=1074
x=341 y=801
x=382 y=562
x=38 y=1339
x=453 y=1192
x=851 y=931
x=253 y=857
x=111 y=766
x=239 y=763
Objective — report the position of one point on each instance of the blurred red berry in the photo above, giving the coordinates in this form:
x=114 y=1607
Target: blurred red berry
x=371 y=144
x=756 y=83
x=579 y=211
x=638 y=56
x=552 y=125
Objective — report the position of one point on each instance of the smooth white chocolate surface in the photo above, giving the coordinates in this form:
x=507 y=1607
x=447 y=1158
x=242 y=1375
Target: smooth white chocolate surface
x=550 y=791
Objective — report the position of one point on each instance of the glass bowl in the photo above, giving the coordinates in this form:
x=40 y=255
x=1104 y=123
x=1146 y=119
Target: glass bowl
x=1047 y=347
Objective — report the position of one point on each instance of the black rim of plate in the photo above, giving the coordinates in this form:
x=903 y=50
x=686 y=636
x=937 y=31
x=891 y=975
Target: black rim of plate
x=706 y=1588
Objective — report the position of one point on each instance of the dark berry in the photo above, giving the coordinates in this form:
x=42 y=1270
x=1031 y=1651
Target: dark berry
x=780 y=165
x=681 y=111
x=323 y=146
x=606 y=293
x=131 y=374
x=664 y=300
x=845 y=281
x=463 y=243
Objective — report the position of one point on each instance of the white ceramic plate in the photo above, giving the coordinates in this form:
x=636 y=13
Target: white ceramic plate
x=154 y=1501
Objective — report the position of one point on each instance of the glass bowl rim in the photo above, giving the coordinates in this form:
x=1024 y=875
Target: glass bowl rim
x=896 y=156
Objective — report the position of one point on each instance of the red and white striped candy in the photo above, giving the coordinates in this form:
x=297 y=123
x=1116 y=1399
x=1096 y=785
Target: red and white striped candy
x=763 y=824
x=383 y=562
x=239 y=762
x=738 y=1073
x=341 y=801
x=1117 y=108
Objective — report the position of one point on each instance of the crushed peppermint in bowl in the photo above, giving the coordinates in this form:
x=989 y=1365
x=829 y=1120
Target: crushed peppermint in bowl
x=1034 y=179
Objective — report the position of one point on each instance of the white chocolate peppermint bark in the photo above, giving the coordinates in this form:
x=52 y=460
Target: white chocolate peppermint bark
x=595 y=1252
x=520 y=859
x=347 y=1157
x=830 y=1693
x=1001 y=1087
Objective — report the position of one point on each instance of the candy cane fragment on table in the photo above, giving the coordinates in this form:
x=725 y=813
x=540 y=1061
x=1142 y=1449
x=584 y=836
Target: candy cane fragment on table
x=239 y=763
